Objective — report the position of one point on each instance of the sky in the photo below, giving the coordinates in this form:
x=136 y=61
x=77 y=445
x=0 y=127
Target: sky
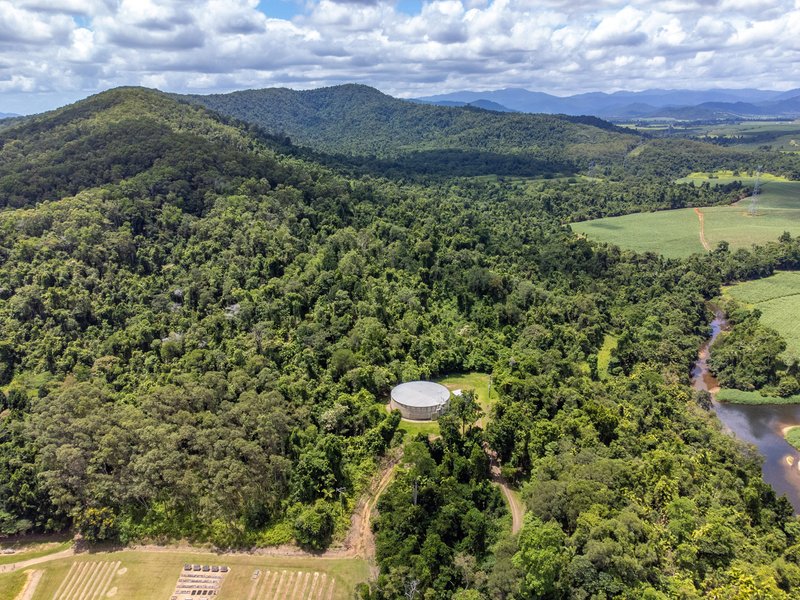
x=56 y=51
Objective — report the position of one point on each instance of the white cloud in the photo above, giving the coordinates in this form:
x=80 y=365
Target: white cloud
x=74 y=47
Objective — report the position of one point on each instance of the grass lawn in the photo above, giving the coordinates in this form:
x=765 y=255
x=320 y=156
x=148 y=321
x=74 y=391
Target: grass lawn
x=11 y=584
x=778 y=299
x=604 y=354
x=676 y=233
x=472 y=381
x=28 y=550
x=412 y=428
x=152 y=575
x=742 y=397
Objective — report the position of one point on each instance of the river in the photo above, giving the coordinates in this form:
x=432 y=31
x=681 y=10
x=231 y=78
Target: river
x=761 y=425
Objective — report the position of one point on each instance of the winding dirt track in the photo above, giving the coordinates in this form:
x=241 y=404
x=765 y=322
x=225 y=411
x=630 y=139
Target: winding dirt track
x=702 y=218
x=359 y=542
x=24 y=564
x=514 y=505
x=29 y=589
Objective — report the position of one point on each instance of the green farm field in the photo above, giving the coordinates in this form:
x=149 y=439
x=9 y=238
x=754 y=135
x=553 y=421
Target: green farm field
x=781 y=135
x=778 y=299
x=142 y=575
x=677 y=233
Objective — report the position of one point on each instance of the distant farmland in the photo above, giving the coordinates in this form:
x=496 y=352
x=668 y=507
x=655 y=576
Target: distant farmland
x=676 y=233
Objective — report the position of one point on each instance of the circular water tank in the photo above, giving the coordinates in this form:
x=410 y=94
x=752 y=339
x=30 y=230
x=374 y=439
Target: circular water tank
x=420 y=400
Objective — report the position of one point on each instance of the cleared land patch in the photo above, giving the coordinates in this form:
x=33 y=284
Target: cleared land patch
x=25 y=552
x=294 y=585
x=87 y=580
x=152 y=575
x=604 y=354
x=676 y=233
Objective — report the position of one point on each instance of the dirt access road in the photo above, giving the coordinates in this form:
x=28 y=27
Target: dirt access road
x=359 y=542
x=24 y=564
x=514 y=505
x=702 y=218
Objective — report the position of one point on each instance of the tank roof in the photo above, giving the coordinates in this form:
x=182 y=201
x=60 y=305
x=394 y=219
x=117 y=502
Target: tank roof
x=420 y=393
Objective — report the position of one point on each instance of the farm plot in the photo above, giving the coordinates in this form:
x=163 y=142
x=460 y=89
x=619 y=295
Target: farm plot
x=677 y=233
x=291 y=585
x=151 y=574
x=87 y=580
x=778 y=299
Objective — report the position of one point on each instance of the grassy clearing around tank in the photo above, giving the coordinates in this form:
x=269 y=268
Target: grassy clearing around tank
x=778 y=299
x=461 y=381
x=742 y=397
x=412 y=428
x=480 y=382
x=676 y=233
x=153 y=575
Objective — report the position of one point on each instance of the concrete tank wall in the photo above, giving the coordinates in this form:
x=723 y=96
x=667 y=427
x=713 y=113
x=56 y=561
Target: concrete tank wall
x=419 y=413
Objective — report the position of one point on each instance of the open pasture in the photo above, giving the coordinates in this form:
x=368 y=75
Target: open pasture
x=88 y=580
x=677 y=233
x=778 y=299
x=161 y=575
x=780 y=135
x=722 y=177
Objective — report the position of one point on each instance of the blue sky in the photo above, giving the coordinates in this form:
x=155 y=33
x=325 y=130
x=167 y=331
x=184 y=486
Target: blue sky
x=55 y=51
x=281 y=9
x=287 y=9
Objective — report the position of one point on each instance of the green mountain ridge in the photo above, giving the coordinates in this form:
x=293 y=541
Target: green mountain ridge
x=359 y=120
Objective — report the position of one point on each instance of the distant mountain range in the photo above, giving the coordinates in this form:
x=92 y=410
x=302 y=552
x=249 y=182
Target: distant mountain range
x=7 y=115
x=649 y=104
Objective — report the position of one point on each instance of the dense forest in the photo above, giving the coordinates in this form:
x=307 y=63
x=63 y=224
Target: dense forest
x=200 y=325
x=359 y=120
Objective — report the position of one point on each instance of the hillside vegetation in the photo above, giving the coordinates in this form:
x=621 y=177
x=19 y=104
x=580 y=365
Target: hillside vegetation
x=358 y=120
x=198 y=343
x=397 y=136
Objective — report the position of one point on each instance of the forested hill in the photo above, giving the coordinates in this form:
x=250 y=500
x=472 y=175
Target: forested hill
x=359 y=120
x=116 y=135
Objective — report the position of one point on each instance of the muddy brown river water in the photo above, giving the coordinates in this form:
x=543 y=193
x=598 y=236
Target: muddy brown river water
x=761 y=425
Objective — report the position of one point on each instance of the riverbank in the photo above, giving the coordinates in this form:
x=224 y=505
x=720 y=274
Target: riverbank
x=751 y=418
x=792 y=435
x=732 y=396
x=703 y=379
